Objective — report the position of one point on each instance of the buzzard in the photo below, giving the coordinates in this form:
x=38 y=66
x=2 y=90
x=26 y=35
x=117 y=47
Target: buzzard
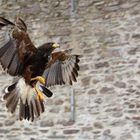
x=37 y=68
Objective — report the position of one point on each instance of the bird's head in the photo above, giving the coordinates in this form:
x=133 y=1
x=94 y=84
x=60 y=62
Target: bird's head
x=52 y=46
x=55 y=45
x=49 y=47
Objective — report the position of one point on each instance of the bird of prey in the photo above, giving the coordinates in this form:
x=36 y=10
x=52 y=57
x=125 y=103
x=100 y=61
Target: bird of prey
x=37 y=68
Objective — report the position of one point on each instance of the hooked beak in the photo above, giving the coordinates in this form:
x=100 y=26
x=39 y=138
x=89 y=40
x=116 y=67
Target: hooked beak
x=55 y=45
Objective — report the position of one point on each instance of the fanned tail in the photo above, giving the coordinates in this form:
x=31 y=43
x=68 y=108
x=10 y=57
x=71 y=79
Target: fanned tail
x=11 y=97
x=30 y=105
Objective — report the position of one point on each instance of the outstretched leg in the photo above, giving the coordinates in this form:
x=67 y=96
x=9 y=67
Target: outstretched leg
x=41 y=89
x=40 y=79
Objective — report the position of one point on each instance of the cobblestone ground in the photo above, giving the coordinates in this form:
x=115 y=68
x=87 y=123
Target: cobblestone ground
x=107 y=94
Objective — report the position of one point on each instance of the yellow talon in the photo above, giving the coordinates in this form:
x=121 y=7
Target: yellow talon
x=40 y=79
x=40 y=96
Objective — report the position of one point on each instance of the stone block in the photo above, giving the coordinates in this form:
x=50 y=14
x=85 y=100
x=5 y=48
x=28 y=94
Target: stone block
x=92 y=92
x=101 y=65
x=105 y=90
x=71 y=131
x=46 y=123
x=120 y=84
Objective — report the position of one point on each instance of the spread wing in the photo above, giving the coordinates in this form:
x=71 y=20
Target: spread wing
x=62 y=68
x=17 y=48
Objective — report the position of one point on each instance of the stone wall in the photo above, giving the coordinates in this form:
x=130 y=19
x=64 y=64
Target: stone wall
x=107 y=94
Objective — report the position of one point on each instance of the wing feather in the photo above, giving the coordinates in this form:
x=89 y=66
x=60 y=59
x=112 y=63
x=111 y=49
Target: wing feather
x=61 y=69
x=7 y=53
x=14 y=52
x=5 y=22
x=14 y=66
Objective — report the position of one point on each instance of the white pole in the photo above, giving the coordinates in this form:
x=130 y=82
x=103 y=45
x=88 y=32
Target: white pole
x=73 y=43
x=72 y=104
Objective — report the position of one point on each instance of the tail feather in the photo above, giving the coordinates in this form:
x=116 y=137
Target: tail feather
x=31 y=111
x=42 y=106
x=12 y=101
x=27 y=112
x=30 y=105
x=14 y=105
x=6 y=95
x=21 y=110
x=35 y=108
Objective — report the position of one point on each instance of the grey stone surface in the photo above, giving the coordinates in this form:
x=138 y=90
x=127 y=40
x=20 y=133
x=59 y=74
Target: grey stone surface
x=107 y=95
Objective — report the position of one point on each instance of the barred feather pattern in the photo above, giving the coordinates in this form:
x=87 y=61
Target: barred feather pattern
x=62 y=72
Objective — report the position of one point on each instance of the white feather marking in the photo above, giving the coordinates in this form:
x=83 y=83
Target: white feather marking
x=2 y=98
x=30 y=94
x=25 y=91
x=6 y=90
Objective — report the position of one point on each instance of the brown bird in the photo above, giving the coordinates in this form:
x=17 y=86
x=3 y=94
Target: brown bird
x=37 y=69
